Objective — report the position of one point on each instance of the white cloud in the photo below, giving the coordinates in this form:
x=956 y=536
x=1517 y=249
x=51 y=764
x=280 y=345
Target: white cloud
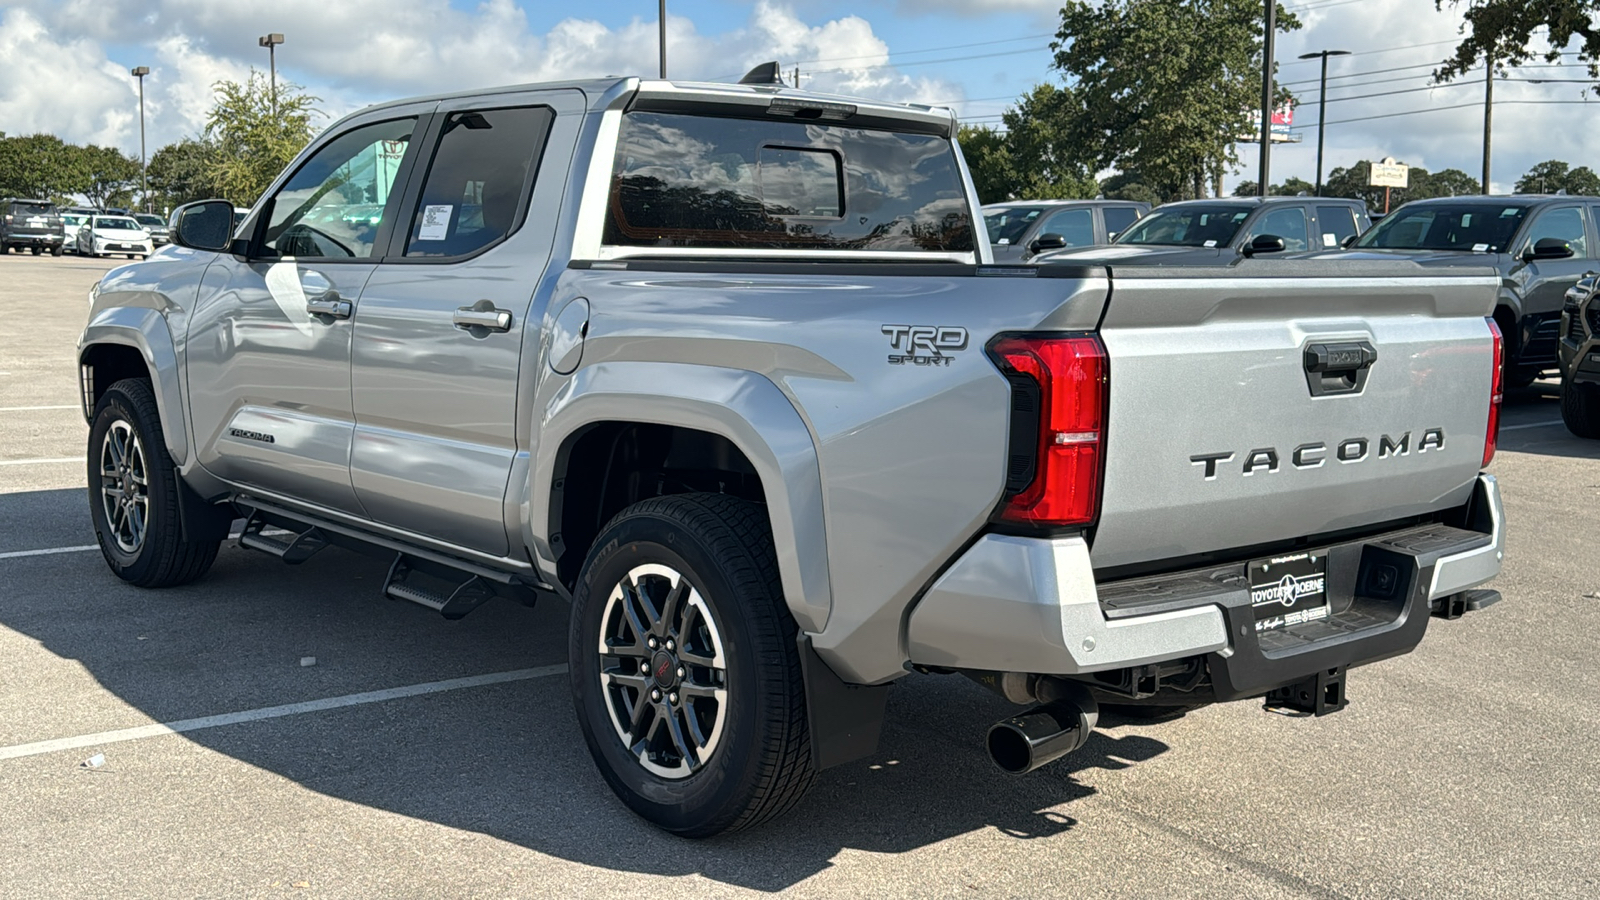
x=355 y=52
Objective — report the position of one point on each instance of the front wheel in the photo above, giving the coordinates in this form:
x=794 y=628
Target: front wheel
x=1580 y=408
x=684 y=668
x=133 y=493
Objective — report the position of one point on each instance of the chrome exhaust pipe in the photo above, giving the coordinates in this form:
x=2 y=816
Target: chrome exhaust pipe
x=1045 y=733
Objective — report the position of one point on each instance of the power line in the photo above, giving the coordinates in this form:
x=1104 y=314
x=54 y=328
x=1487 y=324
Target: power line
x=1026 y=37
x=1428 y=109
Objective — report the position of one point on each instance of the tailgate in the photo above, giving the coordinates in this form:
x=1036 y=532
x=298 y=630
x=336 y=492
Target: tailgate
x=1218 y=437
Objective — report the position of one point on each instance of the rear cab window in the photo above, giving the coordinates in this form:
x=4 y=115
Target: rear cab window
x=688 y=180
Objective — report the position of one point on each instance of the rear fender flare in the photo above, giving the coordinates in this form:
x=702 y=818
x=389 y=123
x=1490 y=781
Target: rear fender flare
x=742 y=406
x=144 y=330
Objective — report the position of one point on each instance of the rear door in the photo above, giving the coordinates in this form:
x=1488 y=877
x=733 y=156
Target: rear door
x=269 y=343
x=1118 y=219
x=443 y=327
x=1336 y=223
x=1220 y=437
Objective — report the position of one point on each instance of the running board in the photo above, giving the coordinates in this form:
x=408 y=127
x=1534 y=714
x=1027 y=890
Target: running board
x=295 y=550
x=465 y=598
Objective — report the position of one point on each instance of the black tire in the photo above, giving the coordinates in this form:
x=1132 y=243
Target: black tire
x=37 y=251
x=759 y=765
x=55 y=251
x=160 y=557
x=1580 y=408
x=1516 y=379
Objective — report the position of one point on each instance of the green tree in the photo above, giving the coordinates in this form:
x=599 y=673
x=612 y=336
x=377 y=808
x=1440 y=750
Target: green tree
x=180 y=173
x=255 y=137
x=1553 y=176
x=41 y=165
x=1161 y=87
x=1291 y=187
x=1046 y=163
x=109 y=176
x=989 y=159
x=1452 y=183
x=1129 y=186
x=1503 y=31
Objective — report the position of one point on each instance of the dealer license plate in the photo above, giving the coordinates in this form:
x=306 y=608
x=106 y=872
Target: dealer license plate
x=1289 y=590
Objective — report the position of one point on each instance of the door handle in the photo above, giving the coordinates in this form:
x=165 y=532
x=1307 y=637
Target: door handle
x=329 y=304
x=483 y=315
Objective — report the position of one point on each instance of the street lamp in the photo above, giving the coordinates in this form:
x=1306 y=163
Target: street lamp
x=1322 y=104
x=140 y=72
x=271 y=41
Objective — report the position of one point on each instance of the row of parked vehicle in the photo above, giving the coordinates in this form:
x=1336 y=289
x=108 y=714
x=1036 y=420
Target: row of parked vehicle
x=1546 y=249
x=42 y=227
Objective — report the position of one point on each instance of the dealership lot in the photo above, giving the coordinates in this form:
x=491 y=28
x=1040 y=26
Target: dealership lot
x=419 y=757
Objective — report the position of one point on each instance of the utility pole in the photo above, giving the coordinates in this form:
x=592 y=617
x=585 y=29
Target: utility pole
x=1322 y=104
x=797 y=75
x=663 y=40
x=271 y=42
x=144 y=171
x=1488 y=115
x=1264 y=178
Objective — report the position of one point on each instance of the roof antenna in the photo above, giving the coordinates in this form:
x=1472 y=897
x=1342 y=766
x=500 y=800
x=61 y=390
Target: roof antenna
x=766 y=73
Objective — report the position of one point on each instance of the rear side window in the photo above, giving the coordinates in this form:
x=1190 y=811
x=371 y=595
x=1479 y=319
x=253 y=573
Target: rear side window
x=1338 y=223
x=478 y=179
x=1118 y=218
x=699 y=181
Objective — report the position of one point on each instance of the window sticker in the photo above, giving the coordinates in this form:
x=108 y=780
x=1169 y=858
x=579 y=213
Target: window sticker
x=1479 y=248
x=435 y=222
x=1210 y=243
x=1330 y=240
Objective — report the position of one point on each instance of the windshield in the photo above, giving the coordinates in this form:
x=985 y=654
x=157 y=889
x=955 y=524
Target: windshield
x=1483 y=228
x=32 y=209
x=116 y=222
x=1188 y=226
x=1006 y=226
x=146 y=219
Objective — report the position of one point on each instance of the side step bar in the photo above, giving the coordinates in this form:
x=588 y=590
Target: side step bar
x=465 y=598
x=297 y=549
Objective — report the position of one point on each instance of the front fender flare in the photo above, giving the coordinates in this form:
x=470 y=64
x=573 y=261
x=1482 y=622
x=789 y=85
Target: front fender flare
x=742 y=406
x=144 y=330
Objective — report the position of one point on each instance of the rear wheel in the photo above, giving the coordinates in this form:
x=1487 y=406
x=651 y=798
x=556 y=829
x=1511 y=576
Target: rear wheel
x=37 y=251
x=133 y=493
x=1580 y=408
x=684 y=668
x=56 y=250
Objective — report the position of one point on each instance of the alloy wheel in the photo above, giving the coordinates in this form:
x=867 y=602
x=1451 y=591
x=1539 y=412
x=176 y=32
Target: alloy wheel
x=124 y=486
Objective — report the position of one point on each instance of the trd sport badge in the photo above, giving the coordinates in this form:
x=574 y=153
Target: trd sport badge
x=924 y=345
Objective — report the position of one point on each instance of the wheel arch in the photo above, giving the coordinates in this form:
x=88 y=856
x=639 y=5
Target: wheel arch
x=736 y=416
x=130 y=342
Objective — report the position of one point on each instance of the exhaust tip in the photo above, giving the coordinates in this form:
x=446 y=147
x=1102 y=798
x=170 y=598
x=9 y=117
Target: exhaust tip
x=1009 y=748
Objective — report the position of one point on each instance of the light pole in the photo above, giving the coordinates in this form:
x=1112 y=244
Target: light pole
x=1263 y=179
x=663 y=24
x=271 y=41
x=1488 y=116
x=140 y=72
x=1322 y=104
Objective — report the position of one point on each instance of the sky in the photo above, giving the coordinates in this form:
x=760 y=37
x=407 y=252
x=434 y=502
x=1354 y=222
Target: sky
x=974 y=55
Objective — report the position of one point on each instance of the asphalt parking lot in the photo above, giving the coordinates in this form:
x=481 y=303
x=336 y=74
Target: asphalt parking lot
x=423 y=758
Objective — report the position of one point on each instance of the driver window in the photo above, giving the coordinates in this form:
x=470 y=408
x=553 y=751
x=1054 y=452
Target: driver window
x=1288 y=223
x=331 y=208
x=1075 y=225
x=1564 y=224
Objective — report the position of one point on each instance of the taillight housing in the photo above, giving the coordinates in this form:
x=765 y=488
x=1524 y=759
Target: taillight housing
x=1491 y=435
x=1071 y=375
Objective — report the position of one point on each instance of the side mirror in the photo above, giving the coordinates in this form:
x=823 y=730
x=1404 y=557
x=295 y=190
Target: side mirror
x=207 y=225
x=1263 y=243
x=1350 y=241
x=1547 y=248
x=1043 y=242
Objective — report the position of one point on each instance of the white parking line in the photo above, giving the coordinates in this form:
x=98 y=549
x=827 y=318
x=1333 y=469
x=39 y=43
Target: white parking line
x=1530 y=425
x=274 y=712
x=49 y=551
x=37 y=408
x=40 y=462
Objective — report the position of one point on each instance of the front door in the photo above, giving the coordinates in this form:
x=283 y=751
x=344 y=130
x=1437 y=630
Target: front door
x=269 y=344
x=442 y=331
x=1544 y=282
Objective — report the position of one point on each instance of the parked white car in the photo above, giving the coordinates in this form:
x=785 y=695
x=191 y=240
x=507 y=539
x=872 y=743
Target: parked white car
x=106 y=235
x=71 y=224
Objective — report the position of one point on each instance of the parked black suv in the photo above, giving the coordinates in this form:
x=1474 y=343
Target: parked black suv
x=1542 y=244
x=1222 y=231
x=1022 y=228
x=1578 y=353
x=31 y=224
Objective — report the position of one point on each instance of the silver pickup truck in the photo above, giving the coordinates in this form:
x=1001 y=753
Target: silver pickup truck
x=727 y=369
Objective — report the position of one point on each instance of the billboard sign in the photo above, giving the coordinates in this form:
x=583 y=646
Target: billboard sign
x=1389 y=174
x=1282 y=122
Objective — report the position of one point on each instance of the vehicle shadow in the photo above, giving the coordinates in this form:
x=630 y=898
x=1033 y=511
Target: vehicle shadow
x=1530 y=422
x=505 y=760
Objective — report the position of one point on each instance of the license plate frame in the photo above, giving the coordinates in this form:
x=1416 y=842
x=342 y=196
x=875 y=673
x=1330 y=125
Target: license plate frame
x=1289 y=590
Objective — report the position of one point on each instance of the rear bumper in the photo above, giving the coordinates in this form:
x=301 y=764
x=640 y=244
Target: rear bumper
x=49 y=240
x=1016 y=604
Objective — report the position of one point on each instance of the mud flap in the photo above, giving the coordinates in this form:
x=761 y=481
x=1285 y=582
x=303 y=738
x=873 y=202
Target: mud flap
x=846 y=720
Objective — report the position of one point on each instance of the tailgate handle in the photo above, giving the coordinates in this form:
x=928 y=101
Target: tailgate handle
x=1338 y=368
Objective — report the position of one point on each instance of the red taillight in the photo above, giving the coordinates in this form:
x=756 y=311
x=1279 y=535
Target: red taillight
x=1491 y=436
x=1071 y=374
